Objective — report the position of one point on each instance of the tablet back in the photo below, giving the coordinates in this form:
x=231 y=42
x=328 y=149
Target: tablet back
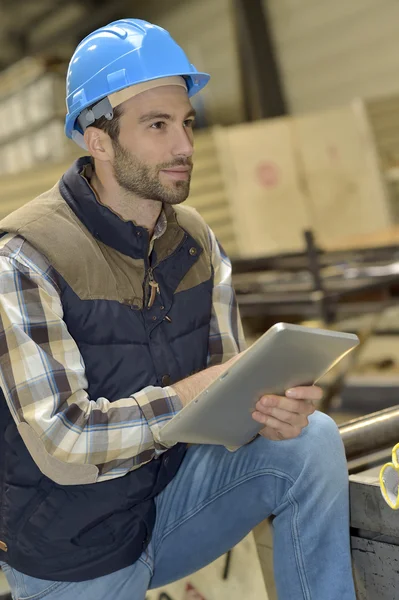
x=285 y=356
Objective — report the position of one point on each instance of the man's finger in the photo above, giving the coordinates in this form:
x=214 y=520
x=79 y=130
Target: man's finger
x=311 y=392
x=281 y=418
x=287 y=417
x=287 y=431
x=266 y=403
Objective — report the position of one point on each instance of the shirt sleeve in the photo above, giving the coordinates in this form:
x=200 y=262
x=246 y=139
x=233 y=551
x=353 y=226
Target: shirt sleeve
x=42 y=376
x=226 y=336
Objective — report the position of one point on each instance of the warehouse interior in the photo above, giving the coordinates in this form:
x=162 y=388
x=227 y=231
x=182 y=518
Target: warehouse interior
x=296 y=172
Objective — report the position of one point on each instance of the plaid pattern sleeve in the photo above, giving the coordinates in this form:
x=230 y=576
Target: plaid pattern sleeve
x=42 y=376
x=226 y=336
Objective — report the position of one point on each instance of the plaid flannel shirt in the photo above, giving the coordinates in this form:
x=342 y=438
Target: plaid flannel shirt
x=42 y=373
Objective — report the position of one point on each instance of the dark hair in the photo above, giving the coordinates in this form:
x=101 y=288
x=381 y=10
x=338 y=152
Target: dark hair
x=112 y=127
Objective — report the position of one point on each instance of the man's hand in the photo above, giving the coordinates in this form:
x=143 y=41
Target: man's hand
x=284 y=417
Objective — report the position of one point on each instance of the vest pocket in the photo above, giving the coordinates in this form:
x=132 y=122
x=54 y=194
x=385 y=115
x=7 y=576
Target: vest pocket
x=111 y=530
x=97 y=534
x=34 y=506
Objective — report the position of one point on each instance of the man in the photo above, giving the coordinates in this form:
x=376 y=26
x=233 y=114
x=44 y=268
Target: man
x=116 y=310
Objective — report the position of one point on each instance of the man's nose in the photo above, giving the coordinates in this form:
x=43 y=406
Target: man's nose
x=183 y=143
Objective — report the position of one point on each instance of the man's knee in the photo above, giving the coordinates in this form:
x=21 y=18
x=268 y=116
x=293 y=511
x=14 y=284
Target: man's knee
x=323 y=428
x=318 y=448
x=324 y=443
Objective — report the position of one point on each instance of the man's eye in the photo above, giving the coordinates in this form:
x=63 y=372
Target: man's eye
x=158 y=125
x=189 y=123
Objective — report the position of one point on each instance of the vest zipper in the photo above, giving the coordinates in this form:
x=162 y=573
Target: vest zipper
x=153 y=288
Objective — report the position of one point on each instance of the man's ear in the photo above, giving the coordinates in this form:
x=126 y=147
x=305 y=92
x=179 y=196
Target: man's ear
x=98 y=144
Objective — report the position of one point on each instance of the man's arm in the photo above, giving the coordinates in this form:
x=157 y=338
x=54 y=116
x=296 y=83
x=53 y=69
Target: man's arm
x=189 y=388
x=42 y=375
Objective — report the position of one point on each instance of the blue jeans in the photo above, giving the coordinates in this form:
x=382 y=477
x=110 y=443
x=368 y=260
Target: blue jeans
x=217 y=498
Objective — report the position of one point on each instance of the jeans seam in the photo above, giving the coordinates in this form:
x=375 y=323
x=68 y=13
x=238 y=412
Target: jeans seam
x=220 y=493
x=298 y=549
x=151 y=570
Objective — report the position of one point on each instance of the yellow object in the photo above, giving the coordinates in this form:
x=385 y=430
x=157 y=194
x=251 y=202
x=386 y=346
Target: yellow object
x=389 y=480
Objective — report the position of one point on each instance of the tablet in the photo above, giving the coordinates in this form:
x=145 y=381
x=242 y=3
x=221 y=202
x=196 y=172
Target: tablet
x=285 y=356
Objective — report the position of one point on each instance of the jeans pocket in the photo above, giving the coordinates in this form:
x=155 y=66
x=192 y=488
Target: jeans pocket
x=25 y=587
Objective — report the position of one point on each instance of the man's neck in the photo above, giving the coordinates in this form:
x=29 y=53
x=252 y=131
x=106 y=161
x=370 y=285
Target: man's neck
x=128 y=207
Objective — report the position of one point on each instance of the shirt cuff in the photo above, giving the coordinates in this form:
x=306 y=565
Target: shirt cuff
x=158 y=405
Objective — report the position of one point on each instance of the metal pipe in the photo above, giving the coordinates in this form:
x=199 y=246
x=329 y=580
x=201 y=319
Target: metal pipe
x=371 y=432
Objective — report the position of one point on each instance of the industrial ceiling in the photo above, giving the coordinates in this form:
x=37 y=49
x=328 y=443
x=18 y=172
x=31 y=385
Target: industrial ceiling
x=52 y=28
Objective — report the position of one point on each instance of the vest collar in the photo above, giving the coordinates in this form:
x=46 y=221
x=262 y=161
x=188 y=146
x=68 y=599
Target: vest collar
x=106 y=226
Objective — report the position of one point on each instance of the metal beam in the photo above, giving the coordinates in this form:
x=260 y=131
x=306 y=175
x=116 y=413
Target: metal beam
x=370 y=433
x=262 y=86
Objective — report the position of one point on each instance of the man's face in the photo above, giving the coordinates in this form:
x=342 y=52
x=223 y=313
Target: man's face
x=153 y=155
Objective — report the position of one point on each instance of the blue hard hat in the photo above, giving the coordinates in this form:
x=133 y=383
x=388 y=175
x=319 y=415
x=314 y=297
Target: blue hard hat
x=119 y=55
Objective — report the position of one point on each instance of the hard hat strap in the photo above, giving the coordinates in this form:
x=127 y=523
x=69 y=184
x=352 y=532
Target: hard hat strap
x=89 y=115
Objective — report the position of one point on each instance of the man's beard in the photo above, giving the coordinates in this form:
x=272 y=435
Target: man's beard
x=142 y=180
